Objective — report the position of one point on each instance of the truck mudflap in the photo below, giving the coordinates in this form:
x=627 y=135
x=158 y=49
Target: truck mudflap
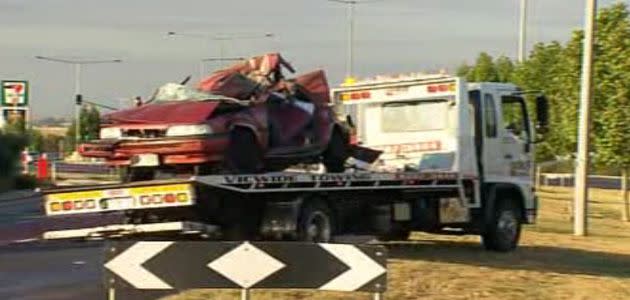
x=119 y=230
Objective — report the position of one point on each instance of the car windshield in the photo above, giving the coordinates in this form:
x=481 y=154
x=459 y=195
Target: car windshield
x=177 y=92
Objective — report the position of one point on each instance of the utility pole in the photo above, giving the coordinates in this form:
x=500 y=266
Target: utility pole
x=77 y=63
x=581 y=171
x=522 y=41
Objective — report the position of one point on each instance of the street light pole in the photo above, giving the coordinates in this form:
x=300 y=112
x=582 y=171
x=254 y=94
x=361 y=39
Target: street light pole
x=350 y=48
x=77 y=63
x=581 y=171
x=350 y=66
x=219 y=59
x=522 y=41
x=221 y=39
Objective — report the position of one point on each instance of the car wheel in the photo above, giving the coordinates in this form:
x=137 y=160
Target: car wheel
x=336 y=154
x=315 y=223
x=503 y=232
x=243 y=154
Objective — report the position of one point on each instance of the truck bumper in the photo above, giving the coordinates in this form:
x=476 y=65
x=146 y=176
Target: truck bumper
x=119 y=230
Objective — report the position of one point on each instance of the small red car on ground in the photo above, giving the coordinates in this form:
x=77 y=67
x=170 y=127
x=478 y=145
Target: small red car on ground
x=244 y=119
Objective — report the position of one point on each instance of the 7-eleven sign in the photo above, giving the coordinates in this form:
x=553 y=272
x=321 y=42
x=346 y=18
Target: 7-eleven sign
x=14 y=93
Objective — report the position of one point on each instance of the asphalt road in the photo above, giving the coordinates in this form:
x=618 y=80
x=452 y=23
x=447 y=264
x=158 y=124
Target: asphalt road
x=32 y=269
x=51 y=270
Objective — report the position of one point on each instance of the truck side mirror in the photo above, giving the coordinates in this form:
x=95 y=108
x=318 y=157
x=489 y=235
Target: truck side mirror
x=542 y=114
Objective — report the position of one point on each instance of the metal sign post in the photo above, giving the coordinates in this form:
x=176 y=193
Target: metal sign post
x=153 y=269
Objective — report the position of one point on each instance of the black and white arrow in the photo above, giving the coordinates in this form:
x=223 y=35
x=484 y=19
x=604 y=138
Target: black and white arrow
x=186 y=265
x=363 y=269
x=128 y=265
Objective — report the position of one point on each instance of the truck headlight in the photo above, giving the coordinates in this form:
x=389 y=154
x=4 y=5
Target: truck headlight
x=111 y=133
x=185 y=130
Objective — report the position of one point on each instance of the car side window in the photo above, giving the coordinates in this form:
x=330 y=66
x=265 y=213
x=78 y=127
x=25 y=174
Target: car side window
x=490 y=116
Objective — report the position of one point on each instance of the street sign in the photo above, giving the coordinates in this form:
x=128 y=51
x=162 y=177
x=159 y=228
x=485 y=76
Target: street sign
x=139 y=270
x=14 y=93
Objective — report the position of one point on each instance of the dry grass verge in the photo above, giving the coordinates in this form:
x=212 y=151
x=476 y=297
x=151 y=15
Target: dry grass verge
x=550 y=264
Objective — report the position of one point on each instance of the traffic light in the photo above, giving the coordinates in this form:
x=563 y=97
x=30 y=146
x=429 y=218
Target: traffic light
x=79 y=100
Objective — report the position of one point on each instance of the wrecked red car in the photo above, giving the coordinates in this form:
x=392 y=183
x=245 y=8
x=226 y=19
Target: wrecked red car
x=246 y=119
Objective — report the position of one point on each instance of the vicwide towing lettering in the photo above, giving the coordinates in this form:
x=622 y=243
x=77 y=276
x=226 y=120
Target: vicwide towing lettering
x=259 y=179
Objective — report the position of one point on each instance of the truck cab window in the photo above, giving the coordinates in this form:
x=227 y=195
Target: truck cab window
x=426 y=115
x=490 y=116
x=514 y=121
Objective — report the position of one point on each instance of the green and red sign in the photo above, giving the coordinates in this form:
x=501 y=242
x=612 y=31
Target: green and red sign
x=14 y=93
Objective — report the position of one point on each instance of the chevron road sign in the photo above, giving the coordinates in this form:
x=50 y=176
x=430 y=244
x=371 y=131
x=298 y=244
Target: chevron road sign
x=140 y=270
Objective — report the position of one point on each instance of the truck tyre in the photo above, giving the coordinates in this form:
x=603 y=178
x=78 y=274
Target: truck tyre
x=243 y=154
x=396 y=233
x=503 y=231
x=336 y=154
x=315 y=222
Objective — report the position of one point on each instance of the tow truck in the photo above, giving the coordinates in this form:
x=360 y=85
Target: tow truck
x=457 y=158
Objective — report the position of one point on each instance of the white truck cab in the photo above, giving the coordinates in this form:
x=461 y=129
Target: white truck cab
x=442 y=123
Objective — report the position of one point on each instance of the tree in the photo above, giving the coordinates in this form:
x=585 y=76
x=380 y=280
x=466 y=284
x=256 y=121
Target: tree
x=464 y=70
x=13 y=140
x=504 y=68
x=555 y=69
x=547 y=70
x=90 y=127
x=484 y=69
x=487 y=69
x=90 y=123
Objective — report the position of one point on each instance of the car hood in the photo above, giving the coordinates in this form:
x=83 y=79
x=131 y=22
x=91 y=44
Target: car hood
x=188 y=112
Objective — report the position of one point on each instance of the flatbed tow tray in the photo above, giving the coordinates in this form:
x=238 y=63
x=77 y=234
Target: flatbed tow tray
x=58 y=190
x=295 y=181
x=258 y=183
x=301 y=182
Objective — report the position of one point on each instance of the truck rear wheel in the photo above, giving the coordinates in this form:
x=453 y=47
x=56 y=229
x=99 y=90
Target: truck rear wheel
x=315 y=223
x=503 y=231
x=396 y=233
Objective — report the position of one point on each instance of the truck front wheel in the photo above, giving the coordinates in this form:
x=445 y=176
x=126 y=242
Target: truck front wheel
x=315 y=223
x=503 y=231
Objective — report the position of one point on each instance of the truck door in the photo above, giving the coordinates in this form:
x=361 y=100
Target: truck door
x=516 y=137
x=493 y=158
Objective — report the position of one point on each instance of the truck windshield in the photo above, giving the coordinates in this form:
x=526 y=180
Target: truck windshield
x=421 y=115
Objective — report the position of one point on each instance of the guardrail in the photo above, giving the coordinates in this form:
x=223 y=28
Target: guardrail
x=568 y=180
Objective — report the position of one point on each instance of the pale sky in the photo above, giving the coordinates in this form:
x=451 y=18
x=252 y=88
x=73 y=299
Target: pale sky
x=392 y=36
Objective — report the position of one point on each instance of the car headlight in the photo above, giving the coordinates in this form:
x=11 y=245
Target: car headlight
x=185 y=130
x=111 y=133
